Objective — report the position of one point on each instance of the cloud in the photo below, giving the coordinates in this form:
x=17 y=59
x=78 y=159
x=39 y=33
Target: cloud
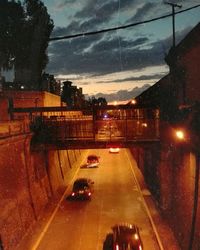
x=96 y=55
x=93 y=15
x=104 y=9
x=143 y=12
x=103 y=54
x=123 y=95
x=59 y=5
x=139 y=78
x=106 y=54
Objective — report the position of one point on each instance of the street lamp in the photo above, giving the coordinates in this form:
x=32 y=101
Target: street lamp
x=180 y=134
x=133 y=101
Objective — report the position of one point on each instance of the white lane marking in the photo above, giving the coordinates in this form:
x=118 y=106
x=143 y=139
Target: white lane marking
x=146 y=207
x=54 y=212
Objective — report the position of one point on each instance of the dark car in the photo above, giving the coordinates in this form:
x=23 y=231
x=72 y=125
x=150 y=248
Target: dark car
x=92 y=161
x=82 y=188
x=126 y=237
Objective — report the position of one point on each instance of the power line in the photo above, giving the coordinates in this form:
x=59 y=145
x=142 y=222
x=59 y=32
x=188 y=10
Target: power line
x=119 y=27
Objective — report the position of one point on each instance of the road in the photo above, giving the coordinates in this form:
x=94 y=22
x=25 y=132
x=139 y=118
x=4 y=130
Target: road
x=116 y=199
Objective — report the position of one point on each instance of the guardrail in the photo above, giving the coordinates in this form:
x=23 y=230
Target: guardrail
x=102 y=124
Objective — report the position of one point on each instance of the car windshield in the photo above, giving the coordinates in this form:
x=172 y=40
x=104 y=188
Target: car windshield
x=80 y=185
x=92 y=158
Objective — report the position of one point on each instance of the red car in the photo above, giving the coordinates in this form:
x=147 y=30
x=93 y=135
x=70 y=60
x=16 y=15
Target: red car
x=92 y=161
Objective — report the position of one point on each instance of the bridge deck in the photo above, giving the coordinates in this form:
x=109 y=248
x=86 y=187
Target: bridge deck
x=97 y=127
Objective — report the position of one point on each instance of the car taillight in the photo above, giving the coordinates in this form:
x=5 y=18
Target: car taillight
x=117 y=247
x=73 y=194
x=140 y=247
x=89 y=194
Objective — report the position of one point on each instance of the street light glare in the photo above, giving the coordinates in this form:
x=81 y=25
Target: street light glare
x=180 y=134
x=133 y=101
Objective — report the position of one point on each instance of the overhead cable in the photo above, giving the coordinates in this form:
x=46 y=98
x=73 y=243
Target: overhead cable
x=119 y=27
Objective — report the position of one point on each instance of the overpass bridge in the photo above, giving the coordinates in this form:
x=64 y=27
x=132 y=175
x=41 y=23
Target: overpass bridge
x=99 y=127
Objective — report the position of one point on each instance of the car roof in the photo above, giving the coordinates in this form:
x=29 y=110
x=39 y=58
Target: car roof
x=81 y=183
x=124 y=234
x=125 y=228
x=92 y=156
x=82 y=180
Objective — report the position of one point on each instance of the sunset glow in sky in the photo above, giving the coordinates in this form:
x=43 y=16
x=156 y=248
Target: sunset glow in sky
x=120 y=63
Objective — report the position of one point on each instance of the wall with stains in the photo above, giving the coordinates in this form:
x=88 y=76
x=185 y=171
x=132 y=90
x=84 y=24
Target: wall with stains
x=29 y=180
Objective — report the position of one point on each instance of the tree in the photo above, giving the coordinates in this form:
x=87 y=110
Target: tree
x=101 y=101
x=11 y=20
x=37 y=30
x=26 y=30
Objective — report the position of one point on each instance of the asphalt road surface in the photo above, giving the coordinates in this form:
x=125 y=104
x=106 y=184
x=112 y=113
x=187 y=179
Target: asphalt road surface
x=116 y=199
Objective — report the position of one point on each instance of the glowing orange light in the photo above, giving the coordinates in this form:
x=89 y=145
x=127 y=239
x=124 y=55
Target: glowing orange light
x=133 y=101
x=180 y=134
x=136 y=236
x=144 y=124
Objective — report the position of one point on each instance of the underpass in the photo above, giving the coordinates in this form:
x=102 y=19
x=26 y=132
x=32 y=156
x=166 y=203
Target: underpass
x=117 y=198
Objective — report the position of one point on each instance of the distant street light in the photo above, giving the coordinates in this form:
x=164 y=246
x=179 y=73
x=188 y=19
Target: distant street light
x=133 y=101
x=144 y=124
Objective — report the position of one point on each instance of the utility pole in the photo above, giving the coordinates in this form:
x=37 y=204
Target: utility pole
x=173 y=89
x=173 y=5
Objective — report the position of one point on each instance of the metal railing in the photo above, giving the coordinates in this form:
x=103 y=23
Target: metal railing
x=83 y=128
x=60 y=125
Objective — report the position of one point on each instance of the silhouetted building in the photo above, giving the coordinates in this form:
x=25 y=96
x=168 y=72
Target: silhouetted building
x=180 y=88
x=184 y=63
x=72 y=95
x=177 y=96
x=50 y=84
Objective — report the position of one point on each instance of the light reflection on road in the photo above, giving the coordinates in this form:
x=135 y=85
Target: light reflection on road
x=116 y=199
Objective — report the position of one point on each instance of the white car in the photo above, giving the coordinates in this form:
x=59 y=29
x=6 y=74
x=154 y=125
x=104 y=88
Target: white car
x=114 y=150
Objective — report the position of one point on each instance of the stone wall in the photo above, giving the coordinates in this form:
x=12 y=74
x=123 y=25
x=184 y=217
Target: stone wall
x=147 y=158
x=29 y=180
x=169 y=171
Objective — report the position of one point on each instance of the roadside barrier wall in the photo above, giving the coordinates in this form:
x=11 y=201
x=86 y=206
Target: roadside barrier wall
x=29 y=181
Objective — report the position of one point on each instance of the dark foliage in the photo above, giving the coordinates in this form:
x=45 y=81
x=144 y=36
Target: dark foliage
x=25 y=33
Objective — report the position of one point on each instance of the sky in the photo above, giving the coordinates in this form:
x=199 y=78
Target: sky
x=117 y=65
